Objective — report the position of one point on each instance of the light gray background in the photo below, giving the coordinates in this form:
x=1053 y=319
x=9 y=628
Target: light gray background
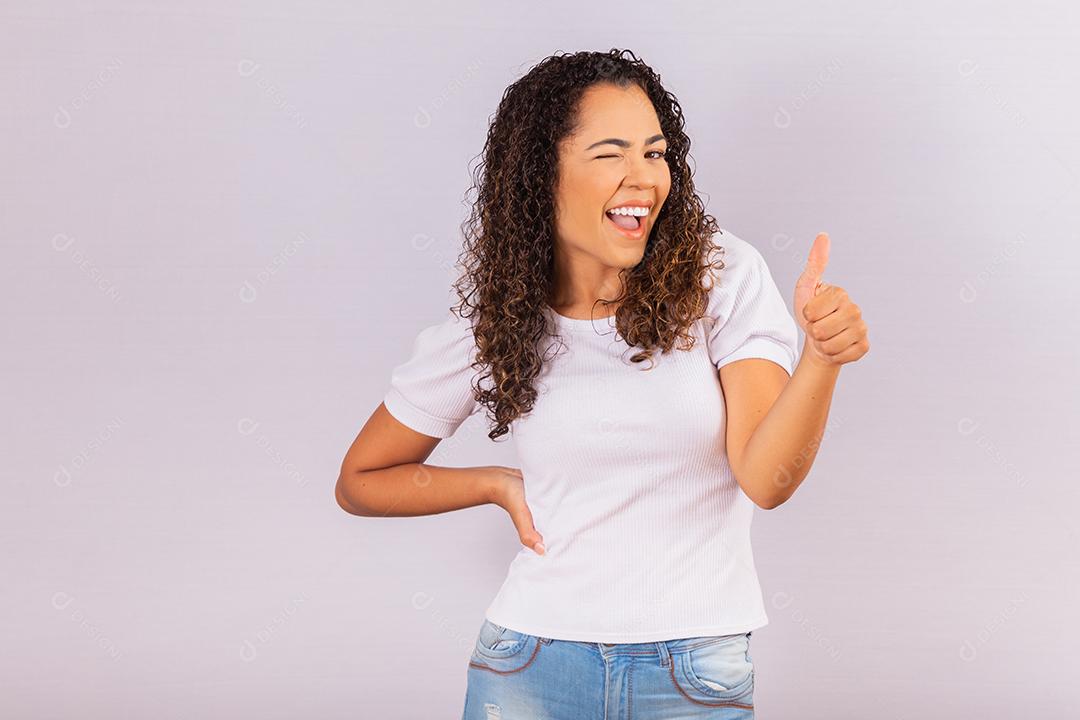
x=223 y=224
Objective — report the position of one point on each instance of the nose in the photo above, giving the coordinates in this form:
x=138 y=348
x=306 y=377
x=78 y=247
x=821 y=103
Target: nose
x=643 y=173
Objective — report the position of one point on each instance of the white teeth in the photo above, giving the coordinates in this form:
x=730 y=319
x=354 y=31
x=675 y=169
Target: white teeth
x=638 y=211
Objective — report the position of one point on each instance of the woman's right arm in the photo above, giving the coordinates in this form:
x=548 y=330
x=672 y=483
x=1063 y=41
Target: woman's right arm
x=384 y=475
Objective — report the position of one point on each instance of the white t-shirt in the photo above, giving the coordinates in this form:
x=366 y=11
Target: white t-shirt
x=625 y=469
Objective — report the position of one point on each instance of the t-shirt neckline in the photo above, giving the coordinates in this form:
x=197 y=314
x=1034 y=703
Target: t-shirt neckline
x=580 y=323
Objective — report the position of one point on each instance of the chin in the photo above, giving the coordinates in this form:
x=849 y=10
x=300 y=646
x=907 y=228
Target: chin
x=627 y=257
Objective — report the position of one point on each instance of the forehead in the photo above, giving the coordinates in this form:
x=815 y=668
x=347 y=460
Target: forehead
x=610 y=111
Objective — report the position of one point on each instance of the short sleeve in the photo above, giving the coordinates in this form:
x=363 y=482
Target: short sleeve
x=431 y=391
x=749 y=317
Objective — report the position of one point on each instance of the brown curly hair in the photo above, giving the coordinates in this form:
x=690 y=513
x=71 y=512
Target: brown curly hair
x=507 y=257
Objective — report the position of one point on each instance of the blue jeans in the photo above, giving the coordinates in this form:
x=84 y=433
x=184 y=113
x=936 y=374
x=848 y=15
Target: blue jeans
x=516 y=676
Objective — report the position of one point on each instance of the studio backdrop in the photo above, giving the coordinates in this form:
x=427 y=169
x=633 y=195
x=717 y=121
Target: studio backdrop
x=224 y=224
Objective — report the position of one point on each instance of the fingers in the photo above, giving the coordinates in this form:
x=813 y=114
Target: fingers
x=828 y=299
x=852 y=343
x=514 y=503
x=841 y=341
x=831 y=325
x=523 y=522
x=852 y=353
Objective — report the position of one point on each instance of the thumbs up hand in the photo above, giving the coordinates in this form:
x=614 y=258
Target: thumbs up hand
x=835 y=331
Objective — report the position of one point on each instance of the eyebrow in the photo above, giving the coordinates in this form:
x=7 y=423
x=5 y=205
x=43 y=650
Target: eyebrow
x=623 y=143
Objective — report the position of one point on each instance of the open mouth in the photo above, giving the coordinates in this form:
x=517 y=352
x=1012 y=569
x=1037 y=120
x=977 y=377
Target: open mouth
x=628 y=224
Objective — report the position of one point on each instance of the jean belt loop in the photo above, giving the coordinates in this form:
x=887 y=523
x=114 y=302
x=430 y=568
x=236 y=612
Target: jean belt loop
x=665 y=656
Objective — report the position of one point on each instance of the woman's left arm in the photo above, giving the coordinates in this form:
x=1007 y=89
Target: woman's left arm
x=775 y=423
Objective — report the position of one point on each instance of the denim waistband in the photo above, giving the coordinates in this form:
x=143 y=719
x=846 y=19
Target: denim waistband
x=660 y=648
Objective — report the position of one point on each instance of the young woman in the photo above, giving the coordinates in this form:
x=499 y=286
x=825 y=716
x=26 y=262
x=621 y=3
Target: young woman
x=646 y=443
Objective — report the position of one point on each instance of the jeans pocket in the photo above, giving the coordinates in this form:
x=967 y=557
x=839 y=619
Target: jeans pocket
x=720 y=669
x=496 y=641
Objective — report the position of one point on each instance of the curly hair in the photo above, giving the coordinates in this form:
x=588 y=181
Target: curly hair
x=507 y=256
